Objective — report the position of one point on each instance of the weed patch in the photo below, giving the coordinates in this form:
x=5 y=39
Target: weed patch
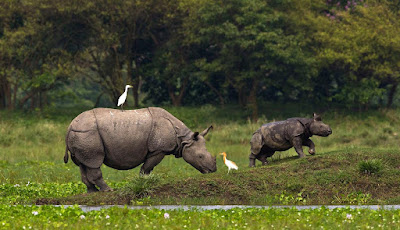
x=371 y=167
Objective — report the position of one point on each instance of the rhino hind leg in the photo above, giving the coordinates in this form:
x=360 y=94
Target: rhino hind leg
x=92 y=177
x=90 y=186
x=95 y=176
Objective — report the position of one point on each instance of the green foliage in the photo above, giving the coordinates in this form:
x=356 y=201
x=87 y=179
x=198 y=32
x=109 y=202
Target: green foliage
x=352 y=198
x=199 y=52
x=372 y=167
x=49 y=217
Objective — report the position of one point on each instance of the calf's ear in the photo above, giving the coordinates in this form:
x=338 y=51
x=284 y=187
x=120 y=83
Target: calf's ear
x=206 y=131
x=317 y=117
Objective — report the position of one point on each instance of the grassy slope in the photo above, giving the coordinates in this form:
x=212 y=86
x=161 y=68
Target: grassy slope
x=31 y=149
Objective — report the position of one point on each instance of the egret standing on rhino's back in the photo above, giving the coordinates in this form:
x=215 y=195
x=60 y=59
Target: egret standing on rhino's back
x=122 y=98
x=126 y=139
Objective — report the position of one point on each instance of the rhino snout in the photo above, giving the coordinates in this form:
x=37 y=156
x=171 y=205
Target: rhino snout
x=328 y=132
x=212 y=168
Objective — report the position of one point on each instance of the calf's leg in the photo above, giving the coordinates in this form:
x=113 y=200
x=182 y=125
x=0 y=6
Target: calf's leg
x=298 y=146
x=263 y=158
x=252 y=160
x=310 y=145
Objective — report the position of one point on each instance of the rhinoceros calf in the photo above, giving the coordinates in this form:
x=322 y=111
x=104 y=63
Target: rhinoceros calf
x=125 y=139
x=282 y=135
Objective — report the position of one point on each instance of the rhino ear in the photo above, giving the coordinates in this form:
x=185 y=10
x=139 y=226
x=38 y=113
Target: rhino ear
x=317 y=117
x=206 y=131
x=195 y=134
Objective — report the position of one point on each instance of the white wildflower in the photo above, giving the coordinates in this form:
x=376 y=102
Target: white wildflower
x=166 y=215
x=35 y=213
x=82 y=217
x=28 y=183
x=107 y=217
x=16 y=185
x=349 y=216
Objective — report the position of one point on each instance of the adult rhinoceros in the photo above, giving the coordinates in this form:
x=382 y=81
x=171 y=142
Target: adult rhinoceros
x=125 y=139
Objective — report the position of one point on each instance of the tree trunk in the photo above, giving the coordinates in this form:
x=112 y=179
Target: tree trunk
x=241 y=97
x=96 y=104
x=252 y=99
x=14 y=101
x=135 y=89
x=135 y=78
x=26 y=97
x=220 y=97
x=8 y=96
x=392 y=93
x=2 y=98
x=177 y=99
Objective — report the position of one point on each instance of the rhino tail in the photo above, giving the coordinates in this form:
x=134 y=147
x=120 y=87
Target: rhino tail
x=66 y=155
x=66 y=145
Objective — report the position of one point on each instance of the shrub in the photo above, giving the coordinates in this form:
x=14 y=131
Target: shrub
x=374 y=166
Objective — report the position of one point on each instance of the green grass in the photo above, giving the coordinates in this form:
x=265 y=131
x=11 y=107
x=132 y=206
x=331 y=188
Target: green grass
x=32 y=149
x=49 y=217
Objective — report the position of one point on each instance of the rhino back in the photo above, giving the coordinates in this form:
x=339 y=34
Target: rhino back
x=275 y=135
x=124 y=134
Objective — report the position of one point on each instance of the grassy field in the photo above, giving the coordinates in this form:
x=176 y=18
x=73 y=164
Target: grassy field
x=49 y=217
x=32 y=148
x=358 y=164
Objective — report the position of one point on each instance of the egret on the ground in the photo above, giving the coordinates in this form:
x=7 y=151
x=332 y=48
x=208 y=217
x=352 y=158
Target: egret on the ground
x=122 y=98
x=228 y=163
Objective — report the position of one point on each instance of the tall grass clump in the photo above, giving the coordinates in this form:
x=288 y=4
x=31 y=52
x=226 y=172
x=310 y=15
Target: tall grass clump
x=370 y=167
x=139 y=186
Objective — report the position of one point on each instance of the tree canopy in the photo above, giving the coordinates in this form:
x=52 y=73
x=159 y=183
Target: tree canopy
x=199 y=52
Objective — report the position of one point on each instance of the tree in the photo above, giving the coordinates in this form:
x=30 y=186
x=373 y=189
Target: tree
x=245 y=42
x=361 y=49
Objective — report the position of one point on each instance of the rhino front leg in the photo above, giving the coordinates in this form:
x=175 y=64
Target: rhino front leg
x=95 y=176
x=262 y=158
x=252 y=160
x=150 y=163
x=310 y=145
x=298 y=146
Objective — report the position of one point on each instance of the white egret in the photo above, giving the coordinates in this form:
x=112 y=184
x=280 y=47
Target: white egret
x=228 y=163
x=122 y=98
